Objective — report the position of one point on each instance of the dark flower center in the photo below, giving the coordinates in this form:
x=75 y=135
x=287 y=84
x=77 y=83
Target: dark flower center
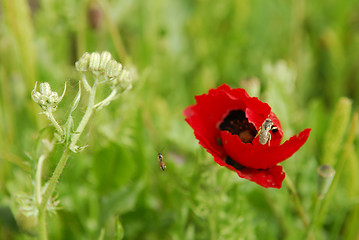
x=233 y=163
x=237 y=123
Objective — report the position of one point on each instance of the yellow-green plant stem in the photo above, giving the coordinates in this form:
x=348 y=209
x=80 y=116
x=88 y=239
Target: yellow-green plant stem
x=52 y=119
x=49 y=191
x=339 y=168
x=102 y=234
x=106 y=101
x=38 y=178
x=317 y=205
x=62 y=163
x=297 y=203
x=86 y=117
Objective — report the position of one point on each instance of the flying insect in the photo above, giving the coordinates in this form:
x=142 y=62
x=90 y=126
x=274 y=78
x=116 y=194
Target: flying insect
x=162 y=162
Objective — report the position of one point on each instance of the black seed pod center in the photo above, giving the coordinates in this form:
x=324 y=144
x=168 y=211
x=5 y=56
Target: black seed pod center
x=237 y=123
x=234 y=164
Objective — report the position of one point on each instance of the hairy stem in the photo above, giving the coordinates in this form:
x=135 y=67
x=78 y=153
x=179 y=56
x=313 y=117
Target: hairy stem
x=62 y=163
x=347 y=150
x=106 y=101
x=86 y=117
x=52 y=119
x=297 y=203
x=49 y=191
x=85 y=83
x=317 y=206
x=38 y=179
x=42 y=225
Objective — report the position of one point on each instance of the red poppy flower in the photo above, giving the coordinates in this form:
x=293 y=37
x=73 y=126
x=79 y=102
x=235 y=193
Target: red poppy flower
x=226 y=122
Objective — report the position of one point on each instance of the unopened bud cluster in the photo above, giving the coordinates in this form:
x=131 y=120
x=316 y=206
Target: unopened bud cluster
x=104 y=64
x=46 y=98
x=124 y=81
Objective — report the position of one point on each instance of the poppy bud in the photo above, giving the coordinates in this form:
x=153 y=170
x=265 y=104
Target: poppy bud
x=325 y=177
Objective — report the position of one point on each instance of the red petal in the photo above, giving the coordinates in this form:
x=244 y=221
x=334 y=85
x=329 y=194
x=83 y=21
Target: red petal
x=218 y=103
x=204 y=131
x=257 y=111
x=272 y=177
x=276 y=135
x=205 y=116
x=261 y=156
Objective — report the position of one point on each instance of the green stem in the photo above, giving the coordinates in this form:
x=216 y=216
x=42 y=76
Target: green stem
x=62 y=163
x=347 y=149
x=106 y=101
x=297 y=203
x=38 y=179
x=85 y=83
x=52 y=119
x=42 y=225
x=102 y=234
x=85 y=118
x=49 y=191
x=317 y=205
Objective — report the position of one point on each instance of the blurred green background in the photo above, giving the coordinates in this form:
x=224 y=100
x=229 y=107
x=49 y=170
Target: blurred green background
x=299 y=56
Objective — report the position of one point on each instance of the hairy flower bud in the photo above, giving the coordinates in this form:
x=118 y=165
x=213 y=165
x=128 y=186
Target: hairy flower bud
x=45 y=89
x=113 y=69
x=36 y=96
x=125 y=80
x=104 y=59
x=94 y=64
x=82 y=64
x=102 y=64
x=46 y=98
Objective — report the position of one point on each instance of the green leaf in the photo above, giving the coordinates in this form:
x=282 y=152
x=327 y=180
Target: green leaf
x=7 y=219
x=120 y=201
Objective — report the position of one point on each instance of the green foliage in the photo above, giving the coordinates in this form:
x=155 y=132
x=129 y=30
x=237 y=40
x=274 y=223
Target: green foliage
x=302 y=53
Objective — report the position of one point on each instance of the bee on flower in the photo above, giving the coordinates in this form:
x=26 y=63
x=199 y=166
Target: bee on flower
x=264 y=134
